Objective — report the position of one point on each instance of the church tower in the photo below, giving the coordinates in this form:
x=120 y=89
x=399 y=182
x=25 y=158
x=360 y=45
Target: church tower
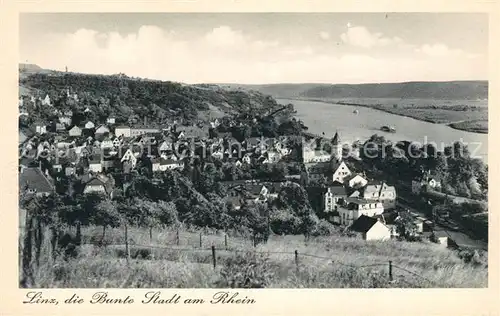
x=336 y=147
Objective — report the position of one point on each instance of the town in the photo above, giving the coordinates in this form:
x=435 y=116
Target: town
x=77 y=153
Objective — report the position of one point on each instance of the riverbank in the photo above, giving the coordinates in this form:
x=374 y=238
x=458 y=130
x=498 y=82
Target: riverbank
x=480 y=126
x=475 y=120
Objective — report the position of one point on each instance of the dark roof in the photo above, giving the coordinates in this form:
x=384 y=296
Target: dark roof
x=338 y=190
x=234 y=200
x=441 y=233
x=363 y=224
x=356 y=200
x=107 y=182
x=318 y=167
x=388 y=217
x=353 y=175
x=336 y=139
x=273 y=187
x=254 y=189
x=35 y=180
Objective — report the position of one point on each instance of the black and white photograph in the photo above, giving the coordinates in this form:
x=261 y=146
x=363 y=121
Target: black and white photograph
x=253 y=150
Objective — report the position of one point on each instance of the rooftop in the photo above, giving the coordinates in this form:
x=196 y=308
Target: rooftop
x=363 y=224
x=34 y=179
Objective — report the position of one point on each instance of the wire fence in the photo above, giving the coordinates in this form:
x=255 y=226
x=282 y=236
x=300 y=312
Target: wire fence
x=214 y=249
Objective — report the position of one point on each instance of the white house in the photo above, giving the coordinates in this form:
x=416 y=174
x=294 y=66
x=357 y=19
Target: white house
x=246 y=159
x=218 y=154
x=334 y=196
x=95 y=185
x=103 y=129
x=75 y=131
x=130 y=157
x=95 y=166
x=117 y=141
x=107 y=143
x=309 y=155
x=40 y=128
x=370 y=228
x=170 y=164
x=111 y=120
x=89 y=125
x=341 y=171
x=357 y=207
x=66 y=120
x=273 y=156
x=122 y=131
x=355 y=181
x=443 y=239
x=427 y=181
x=165 y=146
x=137 y=131
x=46 y=100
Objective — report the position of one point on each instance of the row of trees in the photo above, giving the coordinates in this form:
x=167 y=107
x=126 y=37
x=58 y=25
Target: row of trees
x=460 y=173
x=170 y=198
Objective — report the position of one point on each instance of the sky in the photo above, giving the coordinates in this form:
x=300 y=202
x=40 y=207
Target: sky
x=260 y=48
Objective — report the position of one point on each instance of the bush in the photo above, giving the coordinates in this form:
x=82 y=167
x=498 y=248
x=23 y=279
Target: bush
x=249 y=270
x=323 y=228
x=285 y=222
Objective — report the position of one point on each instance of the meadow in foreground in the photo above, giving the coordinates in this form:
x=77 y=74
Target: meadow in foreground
x=327 y=262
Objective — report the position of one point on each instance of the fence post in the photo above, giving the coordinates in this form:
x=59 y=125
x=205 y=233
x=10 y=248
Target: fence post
x=177 y=238
x=225 y=240
x=297 y=260
x=200 y=240
x=390 y=270
x=27 y=279
x=78 y=233
x=127 y=250
x=213 y=256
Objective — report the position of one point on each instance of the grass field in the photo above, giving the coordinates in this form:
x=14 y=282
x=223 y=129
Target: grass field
x=327 y=262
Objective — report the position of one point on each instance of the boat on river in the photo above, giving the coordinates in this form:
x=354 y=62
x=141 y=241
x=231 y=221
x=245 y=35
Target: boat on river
x=389 y=129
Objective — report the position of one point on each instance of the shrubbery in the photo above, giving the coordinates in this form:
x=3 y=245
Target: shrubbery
x=248 y=270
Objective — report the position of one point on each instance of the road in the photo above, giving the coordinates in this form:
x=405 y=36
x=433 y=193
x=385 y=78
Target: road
x=460 y=238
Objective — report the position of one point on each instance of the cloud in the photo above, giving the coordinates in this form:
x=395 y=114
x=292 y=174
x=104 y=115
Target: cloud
x=224 y=36
x=324 y=35
x=360 y=36
x=442 y=50
x=224 y=54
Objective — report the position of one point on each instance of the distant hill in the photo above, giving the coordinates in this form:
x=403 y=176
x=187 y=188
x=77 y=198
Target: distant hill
x=29 y=67
x=123 y=97
x=448 y=90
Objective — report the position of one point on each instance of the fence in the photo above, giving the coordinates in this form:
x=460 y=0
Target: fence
x=204 y=243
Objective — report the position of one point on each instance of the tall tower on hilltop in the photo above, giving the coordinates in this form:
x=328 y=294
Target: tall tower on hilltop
x=336 y=147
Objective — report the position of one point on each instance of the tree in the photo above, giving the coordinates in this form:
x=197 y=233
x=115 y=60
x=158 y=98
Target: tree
x=258 y=221
x=106 y=214
x=405 y=226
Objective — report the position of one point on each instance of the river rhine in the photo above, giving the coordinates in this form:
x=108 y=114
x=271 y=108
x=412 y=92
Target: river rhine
x=322 y=117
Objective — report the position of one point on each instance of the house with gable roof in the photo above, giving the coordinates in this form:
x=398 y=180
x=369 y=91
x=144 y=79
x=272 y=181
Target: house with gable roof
x=371 y=228
x=33 y=181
